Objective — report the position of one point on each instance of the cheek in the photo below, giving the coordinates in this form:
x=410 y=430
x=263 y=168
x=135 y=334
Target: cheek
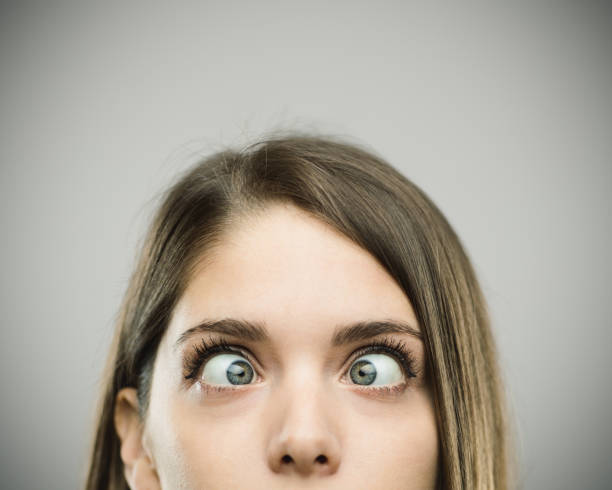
x=200 y=448
x=420 y=432
x=401 y=443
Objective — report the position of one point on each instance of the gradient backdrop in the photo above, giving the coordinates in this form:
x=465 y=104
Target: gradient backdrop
x=501 y=113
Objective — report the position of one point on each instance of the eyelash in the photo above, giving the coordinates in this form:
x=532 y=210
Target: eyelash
x=202 y=352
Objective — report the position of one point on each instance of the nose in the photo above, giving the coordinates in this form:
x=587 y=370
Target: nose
x=304 y=439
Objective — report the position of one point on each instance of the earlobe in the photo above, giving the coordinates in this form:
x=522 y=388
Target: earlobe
x=139 y=470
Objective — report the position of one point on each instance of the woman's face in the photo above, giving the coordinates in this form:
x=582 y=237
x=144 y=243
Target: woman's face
x=296 y=403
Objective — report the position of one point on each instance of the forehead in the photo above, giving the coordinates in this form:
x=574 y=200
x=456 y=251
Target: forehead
x=285 y=267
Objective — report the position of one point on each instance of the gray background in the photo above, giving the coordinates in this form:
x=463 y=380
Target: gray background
x=502 y=114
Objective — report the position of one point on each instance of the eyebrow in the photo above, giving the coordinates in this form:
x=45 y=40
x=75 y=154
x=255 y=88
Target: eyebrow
x=257 y=331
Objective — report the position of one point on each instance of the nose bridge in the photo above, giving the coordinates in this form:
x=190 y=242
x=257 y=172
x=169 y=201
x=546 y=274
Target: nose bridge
x=305 y=402
x=304 y=437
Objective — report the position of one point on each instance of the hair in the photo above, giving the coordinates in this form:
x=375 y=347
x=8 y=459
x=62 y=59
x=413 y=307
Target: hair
x=373 y=204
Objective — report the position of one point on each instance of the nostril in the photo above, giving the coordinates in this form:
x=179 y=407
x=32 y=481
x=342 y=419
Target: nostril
x=321 y=459
x=286 y=459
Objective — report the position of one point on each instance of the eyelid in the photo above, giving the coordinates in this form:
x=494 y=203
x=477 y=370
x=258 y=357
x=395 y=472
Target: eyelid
x=196 y=357
x=200 y=354
x=393 y=347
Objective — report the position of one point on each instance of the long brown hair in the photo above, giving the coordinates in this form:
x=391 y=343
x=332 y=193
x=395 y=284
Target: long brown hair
x=369 y=201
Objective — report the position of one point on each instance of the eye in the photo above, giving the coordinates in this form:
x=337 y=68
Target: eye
x=224 y=368
x=377 y=370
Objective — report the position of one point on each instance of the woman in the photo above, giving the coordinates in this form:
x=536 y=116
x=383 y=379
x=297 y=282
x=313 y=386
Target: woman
x=301 y=316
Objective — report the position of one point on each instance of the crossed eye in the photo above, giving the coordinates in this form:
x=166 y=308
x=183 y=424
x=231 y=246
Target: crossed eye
x=369 y=369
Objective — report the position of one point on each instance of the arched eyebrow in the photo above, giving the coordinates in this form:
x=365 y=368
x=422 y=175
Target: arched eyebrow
x=257 y=331
x=365 y=330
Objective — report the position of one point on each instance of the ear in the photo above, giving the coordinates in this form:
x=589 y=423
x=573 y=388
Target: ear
x=139 y=469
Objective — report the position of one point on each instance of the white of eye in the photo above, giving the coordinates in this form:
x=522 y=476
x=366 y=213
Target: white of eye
x=228 y=369
x=376 y=370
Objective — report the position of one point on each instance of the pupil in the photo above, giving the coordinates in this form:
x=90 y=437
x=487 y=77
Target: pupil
x=239 y=372
x=363 y=372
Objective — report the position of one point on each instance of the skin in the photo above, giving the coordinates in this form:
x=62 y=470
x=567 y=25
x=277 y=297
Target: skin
x=302 y=278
